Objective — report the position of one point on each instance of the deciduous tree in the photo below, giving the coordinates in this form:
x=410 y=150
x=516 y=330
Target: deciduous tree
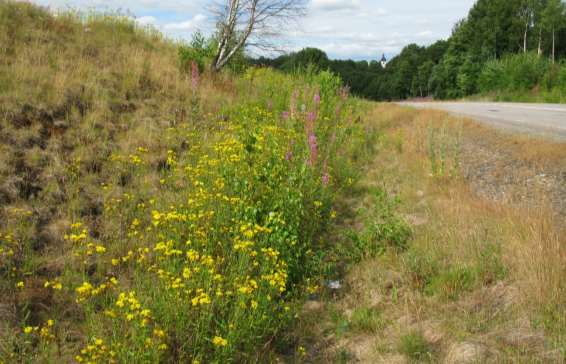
x=554 y=20
x=251 y=22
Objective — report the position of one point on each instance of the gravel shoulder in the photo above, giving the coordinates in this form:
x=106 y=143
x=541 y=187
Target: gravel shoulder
x=503 y=173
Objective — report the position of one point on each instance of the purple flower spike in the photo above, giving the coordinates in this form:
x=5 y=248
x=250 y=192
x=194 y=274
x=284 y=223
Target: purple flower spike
x=289 y=156
x=293 y=105
x=313 y=149
x=311 y=116
x=194 y=75
x=325 y=179
x=338 y=111
x=317 y=99
x=285 y=115
x=344 y=93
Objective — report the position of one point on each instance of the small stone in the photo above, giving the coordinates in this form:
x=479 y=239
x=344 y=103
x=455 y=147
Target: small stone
x=416 y=220
x=312 y=306
x=524 y=338
x=334 y=285
x=61 y=124
x=406 y=321
x=432 y=332
x=392 y=279
x=466 y=353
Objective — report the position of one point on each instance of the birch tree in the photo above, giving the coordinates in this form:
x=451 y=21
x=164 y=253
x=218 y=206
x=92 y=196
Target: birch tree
x=554 y=20
x=527 y=13
x=242 y=23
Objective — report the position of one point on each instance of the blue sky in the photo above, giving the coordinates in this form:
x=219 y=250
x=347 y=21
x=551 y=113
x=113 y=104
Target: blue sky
x=357 y=29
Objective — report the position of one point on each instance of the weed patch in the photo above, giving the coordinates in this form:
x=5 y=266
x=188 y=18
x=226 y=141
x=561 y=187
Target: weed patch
x=415 y=347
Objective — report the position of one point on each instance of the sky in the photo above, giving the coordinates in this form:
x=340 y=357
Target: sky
x=344 y=29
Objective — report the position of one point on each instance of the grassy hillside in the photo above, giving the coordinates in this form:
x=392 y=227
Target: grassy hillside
x=149 y=214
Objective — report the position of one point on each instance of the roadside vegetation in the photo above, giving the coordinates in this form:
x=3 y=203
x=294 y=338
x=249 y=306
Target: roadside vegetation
x=151 y=212
x=476 y=281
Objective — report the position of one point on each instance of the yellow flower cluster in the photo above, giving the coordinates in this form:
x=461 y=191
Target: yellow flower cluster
x=55 y=284
x=96 y=352
x=79 y=237
x=87 y=290
x=219 y=341
x=7 y=243
x=44 y=332
x=131 y=308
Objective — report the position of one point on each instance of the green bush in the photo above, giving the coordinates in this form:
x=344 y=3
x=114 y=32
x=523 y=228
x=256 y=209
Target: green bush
x=562 y=78
x=452 y=282
x=200 y=50
x=383 y=229
x=367 y=320
x=421 y=267
x=415 y=347
x=519 y=72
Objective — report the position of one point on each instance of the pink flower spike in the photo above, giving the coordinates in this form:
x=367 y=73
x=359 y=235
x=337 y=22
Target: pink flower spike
x=293 y=104
x=194 y=76
x=311 y=116
x=317 y=99
x=313 y=149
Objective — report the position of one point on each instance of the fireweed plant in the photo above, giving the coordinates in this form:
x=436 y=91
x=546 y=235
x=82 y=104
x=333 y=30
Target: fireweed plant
x=209 y=260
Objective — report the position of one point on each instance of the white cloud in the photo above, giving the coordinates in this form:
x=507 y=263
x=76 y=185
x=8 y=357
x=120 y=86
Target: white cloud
x=425 y=34
x=335 y=5
x=343 y=28
x=192 y=24
x=146 y=20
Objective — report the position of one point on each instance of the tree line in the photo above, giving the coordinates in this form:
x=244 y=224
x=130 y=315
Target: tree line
x=502 y=45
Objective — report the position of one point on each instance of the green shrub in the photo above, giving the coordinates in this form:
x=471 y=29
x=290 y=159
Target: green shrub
x=367 y=320
x=518 y=72
x=562 y=78
x=200 y=50
x=452 y=282
x=421 y=267
x=492 y=77
x=383 y=228
x=415 y=347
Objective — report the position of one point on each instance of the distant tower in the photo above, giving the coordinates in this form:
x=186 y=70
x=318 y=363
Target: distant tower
x=383 y=61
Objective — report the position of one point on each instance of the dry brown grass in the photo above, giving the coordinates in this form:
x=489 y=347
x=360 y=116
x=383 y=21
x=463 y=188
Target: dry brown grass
x=481 y=280
x=75 y=90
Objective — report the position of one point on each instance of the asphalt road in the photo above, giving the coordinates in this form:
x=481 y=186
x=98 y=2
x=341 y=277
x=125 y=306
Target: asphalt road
x=546 y=120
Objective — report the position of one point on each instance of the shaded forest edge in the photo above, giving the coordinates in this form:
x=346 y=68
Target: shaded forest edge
x=505 y=50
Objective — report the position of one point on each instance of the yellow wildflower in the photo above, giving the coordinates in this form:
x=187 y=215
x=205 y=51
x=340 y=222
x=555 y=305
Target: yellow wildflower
x=218 y=341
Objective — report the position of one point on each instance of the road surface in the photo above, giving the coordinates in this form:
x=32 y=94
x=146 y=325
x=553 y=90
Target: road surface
x=546 y=120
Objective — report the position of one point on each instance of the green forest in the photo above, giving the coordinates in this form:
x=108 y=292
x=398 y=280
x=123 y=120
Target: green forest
x=512 y=50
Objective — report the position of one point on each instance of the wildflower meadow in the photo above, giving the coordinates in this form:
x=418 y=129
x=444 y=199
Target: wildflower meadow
x=201 y=235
